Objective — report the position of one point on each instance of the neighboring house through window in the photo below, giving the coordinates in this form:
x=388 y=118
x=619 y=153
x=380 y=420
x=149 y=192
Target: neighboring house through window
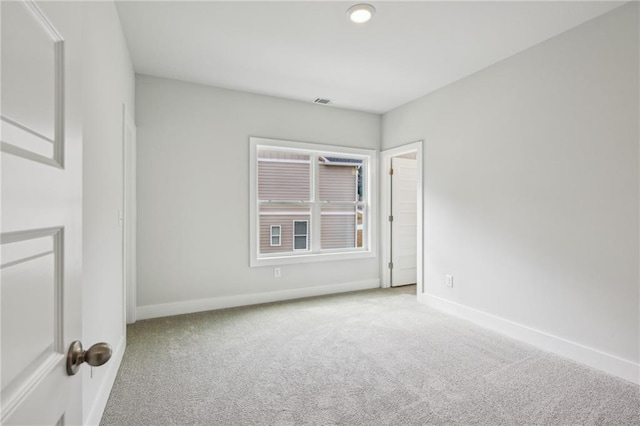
x=309 y=202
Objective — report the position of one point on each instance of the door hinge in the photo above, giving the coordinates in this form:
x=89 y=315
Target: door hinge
x=390 y=218
x=390 y=265
x=391 y=172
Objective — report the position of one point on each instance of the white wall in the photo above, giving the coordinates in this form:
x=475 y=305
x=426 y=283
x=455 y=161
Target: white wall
x=108 y=83
x=193 y=195
x=531 y=188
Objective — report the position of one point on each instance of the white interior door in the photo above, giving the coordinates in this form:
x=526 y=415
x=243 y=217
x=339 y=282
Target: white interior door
x=404 y=226
x=41 y=210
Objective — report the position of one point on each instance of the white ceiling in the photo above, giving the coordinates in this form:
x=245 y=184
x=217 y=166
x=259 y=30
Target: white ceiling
x=304 y=50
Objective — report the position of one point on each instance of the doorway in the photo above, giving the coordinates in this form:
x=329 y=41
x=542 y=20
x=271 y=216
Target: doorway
x=403 y=220
x=129 y=202
x=402 y=233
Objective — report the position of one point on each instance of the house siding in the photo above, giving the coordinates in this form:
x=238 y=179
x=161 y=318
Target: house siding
x=281 y=180
x=286 y=237
x=337 y=183
x=338 y=231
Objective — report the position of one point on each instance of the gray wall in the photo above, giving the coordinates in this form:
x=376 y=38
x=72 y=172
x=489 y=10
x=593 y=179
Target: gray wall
x=108 y=82
x=193 y=188
x=531 y=185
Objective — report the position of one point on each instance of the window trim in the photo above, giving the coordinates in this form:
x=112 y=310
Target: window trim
x=313 y=253
x=279 y=236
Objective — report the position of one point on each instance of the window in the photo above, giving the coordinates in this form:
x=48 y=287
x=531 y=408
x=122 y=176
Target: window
x=300 y=234
x=310 y=202
x=275 y=235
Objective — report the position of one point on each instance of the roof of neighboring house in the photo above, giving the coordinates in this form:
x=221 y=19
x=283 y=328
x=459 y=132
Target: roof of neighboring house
x=339 y=161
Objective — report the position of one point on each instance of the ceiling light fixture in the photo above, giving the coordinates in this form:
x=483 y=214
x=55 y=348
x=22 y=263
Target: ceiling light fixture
x=361 y=13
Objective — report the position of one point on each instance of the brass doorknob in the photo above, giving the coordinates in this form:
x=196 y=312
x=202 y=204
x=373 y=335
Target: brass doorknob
x=95 y=356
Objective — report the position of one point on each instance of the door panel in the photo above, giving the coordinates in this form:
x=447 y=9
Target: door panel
x=29 y=290
x=404 y=226
x=32 y=84
x=40 y=291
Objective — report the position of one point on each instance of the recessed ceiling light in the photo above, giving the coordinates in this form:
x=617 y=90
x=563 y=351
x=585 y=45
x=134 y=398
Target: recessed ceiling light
x=361 y=13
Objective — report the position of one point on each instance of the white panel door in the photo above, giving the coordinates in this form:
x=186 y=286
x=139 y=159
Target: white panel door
x=40 y=291
x=404 y=226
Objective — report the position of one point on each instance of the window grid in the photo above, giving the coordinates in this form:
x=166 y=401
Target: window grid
x=310 y=244
x=315 y=205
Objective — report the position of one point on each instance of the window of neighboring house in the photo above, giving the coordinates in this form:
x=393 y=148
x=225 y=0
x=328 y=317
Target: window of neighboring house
x=275 y=235
x=310 y=202
x=300 y=234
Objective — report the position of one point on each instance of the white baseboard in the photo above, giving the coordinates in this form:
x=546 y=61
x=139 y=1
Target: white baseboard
x=199 y=305
x=608 y=363
x=100 y=403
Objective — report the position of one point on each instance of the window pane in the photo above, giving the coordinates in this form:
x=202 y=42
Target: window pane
x=339 y=178
x=341 y=227
x=300 y=228
x=282 y=215
x=300 y=242
x=284 y=176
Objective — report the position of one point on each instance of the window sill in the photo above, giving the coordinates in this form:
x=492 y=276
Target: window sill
x=309 y=258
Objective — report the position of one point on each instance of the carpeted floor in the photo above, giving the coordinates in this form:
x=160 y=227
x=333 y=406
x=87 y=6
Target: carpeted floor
x=372 y=357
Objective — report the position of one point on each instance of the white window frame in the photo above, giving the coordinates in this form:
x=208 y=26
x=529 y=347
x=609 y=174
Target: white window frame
x=314 y=253
x=279 y=235
x=306 y=236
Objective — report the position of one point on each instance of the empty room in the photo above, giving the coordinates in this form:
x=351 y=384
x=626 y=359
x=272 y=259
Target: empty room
x=320 y=213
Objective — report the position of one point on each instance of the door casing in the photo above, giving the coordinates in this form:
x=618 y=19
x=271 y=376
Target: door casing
x=129 y=269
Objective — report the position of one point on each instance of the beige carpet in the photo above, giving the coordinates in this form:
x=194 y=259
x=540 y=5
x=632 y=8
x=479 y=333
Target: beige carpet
x=372 y=357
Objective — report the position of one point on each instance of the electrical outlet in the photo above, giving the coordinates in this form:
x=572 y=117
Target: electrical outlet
x=449 y=280
x=277 y=272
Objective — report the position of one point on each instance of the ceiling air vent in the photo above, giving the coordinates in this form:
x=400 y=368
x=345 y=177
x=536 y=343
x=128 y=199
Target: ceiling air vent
x=322 y=101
